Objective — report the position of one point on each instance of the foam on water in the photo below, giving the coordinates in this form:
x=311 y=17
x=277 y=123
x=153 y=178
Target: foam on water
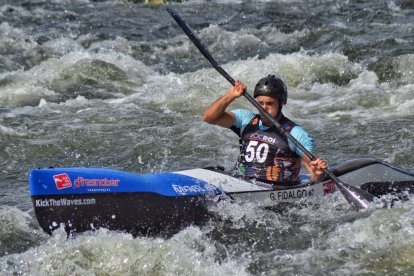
x=110 y=63
x=327 y=85
x=16 y=232
x=354 y=241
x=62 y=75
x=187 y=253
x=13 y=39
x=330 y=240
x=362 y=242
x=10 y=131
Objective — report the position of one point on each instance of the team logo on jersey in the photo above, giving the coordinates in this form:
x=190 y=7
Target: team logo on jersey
x=62 y=181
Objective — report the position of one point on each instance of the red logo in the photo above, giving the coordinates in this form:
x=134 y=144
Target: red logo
x=328 y=188
x=62 y=181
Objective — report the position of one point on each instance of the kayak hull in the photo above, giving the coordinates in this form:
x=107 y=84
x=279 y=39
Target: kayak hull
x=138 y=214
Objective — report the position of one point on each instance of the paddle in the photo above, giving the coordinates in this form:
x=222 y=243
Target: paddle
x=358 y=198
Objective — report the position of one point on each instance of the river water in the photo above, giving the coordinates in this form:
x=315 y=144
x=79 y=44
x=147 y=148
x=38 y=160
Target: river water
x=117 y=84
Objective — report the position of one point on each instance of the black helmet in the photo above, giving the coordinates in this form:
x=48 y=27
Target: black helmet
x=271 y=86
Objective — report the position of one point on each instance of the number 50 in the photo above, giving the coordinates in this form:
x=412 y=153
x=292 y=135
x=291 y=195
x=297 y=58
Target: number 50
x=256 y=150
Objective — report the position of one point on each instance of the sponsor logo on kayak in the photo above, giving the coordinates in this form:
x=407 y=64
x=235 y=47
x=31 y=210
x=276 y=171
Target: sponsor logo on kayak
x=291 y=194
x=50 y=202
x=328 y=188
x=100 y=182
x=62 y=181
x=186 y=189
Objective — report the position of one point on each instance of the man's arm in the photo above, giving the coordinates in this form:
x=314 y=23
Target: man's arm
x=216 y=113
x=316 y=167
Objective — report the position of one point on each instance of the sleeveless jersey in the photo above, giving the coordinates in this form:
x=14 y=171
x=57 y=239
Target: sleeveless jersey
x=265 y=153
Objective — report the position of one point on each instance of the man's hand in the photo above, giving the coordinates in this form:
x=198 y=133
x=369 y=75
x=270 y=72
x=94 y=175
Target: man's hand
x=216 y=112
x=237 y=90
x=318 y=166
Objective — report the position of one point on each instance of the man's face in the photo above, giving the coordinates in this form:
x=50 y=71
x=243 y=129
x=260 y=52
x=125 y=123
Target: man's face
x=271 y=105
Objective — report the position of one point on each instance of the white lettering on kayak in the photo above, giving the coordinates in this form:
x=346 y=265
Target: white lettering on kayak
x=183 y=190
x=291 y=194
x=50 y=202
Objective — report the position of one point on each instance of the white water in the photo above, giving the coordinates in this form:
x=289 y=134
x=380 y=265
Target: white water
x=89 y=84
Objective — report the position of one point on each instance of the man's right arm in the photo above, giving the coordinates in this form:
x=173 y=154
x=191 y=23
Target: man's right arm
x=216 y=113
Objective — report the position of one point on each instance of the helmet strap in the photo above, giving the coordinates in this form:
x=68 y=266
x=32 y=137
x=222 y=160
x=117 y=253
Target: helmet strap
x=279 y=112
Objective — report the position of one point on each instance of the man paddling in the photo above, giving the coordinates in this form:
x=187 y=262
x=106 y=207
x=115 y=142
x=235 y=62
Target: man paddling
x=265 y=153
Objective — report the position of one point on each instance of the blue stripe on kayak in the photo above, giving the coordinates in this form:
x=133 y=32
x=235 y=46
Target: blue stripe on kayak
x=90 y=180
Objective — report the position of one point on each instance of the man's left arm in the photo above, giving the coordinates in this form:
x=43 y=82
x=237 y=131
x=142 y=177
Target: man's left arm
x=315 y=168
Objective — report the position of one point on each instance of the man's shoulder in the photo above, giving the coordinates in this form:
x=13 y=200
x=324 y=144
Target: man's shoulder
x=302 y=136
x=290 y=126
x=294 y=129
x=297 y=129
x=242 y=117
x=242 y=112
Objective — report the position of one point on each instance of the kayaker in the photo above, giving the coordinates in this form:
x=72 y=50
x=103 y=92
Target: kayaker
x=265 y=153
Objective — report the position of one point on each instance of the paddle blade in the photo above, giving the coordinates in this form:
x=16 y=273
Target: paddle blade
x=358 y=198
x=191 y=35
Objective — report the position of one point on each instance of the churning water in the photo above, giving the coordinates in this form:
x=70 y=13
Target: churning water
x=117 y=84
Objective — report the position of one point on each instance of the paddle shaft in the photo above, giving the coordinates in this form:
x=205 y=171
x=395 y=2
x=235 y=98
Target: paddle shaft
x=354 y=195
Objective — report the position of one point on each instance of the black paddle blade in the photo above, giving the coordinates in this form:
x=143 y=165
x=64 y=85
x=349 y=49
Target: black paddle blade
x=187 y=30
x=196 y=41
